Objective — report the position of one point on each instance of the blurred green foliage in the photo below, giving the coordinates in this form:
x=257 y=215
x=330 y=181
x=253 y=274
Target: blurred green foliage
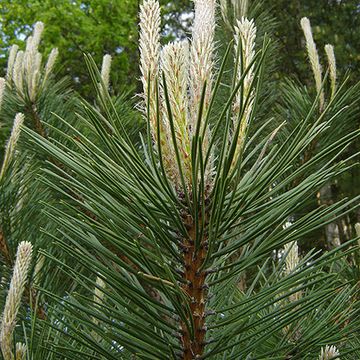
x=76 y=27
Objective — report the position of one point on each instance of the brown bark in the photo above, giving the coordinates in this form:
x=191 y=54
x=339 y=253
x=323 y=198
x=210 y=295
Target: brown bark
x=196 y=289
x=4 y=249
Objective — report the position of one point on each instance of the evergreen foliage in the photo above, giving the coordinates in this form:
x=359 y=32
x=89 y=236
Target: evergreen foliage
x=181 y=241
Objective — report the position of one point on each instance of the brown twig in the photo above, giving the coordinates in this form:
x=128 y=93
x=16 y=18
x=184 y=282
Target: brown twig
x=195 y=288
x=4 y=249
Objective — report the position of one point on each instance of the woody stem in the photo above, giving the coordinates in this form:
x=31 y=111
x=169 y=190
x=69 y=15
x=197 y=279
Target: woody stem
x=195 y=288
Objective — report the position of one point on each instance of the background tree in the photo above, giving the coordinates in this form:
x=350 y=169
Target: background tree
x=75 y=28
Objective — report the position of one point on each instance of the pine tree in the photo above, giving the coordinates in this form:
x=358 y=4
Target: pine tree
x=140 y=243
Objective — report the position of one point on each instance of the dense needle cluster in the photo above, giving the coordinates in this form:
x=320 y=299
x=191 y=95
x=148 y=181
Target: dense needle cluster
x=177 y=88
x=176 y=248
